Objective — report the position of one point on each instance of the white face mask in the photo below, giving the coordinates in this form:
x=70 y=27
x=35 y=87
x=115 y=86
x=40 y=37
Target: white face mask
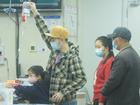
x=114 y=45
x=32 y=79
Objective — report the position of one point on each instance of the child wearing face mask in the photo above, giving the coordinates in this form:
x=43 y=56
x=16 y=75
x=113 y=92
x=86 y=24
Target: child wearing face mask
x=38 y=93
x=103 y=46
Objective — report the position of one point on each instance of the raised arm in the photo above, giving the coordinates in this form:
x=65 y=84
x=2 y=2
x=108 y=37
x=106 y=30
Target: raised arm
x=40 y=23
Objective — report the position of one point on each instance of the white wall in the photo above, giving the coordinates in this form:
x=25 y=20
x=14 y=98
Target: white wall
x=133 y=25
x=7 y=36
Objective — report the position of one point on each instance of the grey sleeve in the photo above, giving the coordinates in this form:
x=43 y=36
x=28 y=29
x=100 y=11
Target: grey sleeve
x=117 y=74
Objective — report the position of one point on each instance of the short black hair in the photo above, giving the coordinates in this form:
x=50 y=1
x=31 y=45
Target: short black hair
x=37 y=70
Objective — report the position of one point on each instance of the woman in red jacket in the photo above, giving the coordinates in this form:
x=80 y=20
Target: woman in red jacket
x=103 y=47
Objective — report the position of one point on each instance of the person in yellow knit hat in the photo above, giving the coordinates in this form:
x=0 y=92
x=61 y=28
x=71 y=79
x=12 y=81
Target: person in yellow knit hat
x=64 y=65
x=58 y=38
x=59 y=32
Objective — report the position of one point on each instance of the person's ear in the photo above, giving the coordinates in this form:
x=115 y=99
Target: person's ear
x=39 y=77
x=63 y=40
x=106 y=48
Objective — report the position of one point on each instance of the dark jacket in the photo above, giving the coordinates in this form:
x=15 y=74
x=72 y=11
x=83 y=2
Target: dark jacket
x=122 y=88
x=38 y=93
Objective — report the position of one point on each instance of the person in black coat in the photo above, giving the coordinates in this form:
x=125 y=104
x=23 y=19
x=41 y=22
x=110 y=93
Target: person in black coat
x=122 y=87
x=38 y=93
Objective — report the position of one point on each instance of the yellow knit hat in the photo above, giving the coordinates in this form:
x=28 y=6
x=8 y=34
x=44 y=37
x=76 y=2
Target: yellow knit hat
x=58 y=32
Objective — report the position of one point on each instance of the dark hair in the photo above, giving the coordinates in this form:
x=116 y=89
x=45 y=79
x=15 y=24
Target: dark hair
x=106 y=42
x=37 y=70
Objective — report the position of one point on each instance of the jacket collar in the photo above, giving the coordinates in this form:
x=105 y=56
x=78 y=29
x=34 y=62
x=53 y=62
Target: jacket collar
x=125 y=47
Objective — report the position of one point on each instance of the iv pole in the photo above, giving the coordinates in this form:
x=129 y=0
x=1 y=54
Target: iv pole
x=8 y=11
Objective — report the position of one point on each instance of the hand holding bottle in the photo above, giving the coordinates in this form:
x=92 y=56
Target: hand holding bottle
x=33 y=8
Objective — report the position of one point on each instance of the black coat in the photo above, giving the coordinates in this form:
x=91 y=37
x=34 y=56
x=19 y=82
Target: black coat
x=38 y=93
x=122 y=87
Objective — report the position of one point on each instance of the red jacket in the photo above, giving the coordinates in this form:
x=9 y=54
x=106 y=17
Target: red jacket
x=102 y=75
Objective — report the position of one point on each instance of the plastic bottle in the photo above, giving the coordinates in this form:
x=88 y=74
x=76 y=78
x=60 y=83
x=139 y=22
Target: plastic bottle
x=25 y=10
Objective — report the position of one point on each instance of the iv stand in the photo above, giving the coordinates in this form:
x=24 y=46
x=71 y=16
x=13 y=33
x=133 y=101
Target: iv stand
x=9 y=10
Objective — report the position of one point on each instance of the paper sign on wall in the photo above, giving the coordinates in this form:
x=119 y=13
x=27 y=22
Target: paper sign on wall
x=52 y=21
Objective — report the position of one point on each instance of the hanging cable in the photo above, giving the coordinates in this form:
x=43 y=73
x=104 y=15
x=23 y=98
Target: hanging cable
x=127 y=13
x=8 y=12
x=18 y=73
x=122 y=13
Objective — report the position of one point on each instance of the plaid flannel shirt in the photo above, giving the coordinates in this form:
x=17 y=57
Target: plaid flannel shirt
x=67 y=74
